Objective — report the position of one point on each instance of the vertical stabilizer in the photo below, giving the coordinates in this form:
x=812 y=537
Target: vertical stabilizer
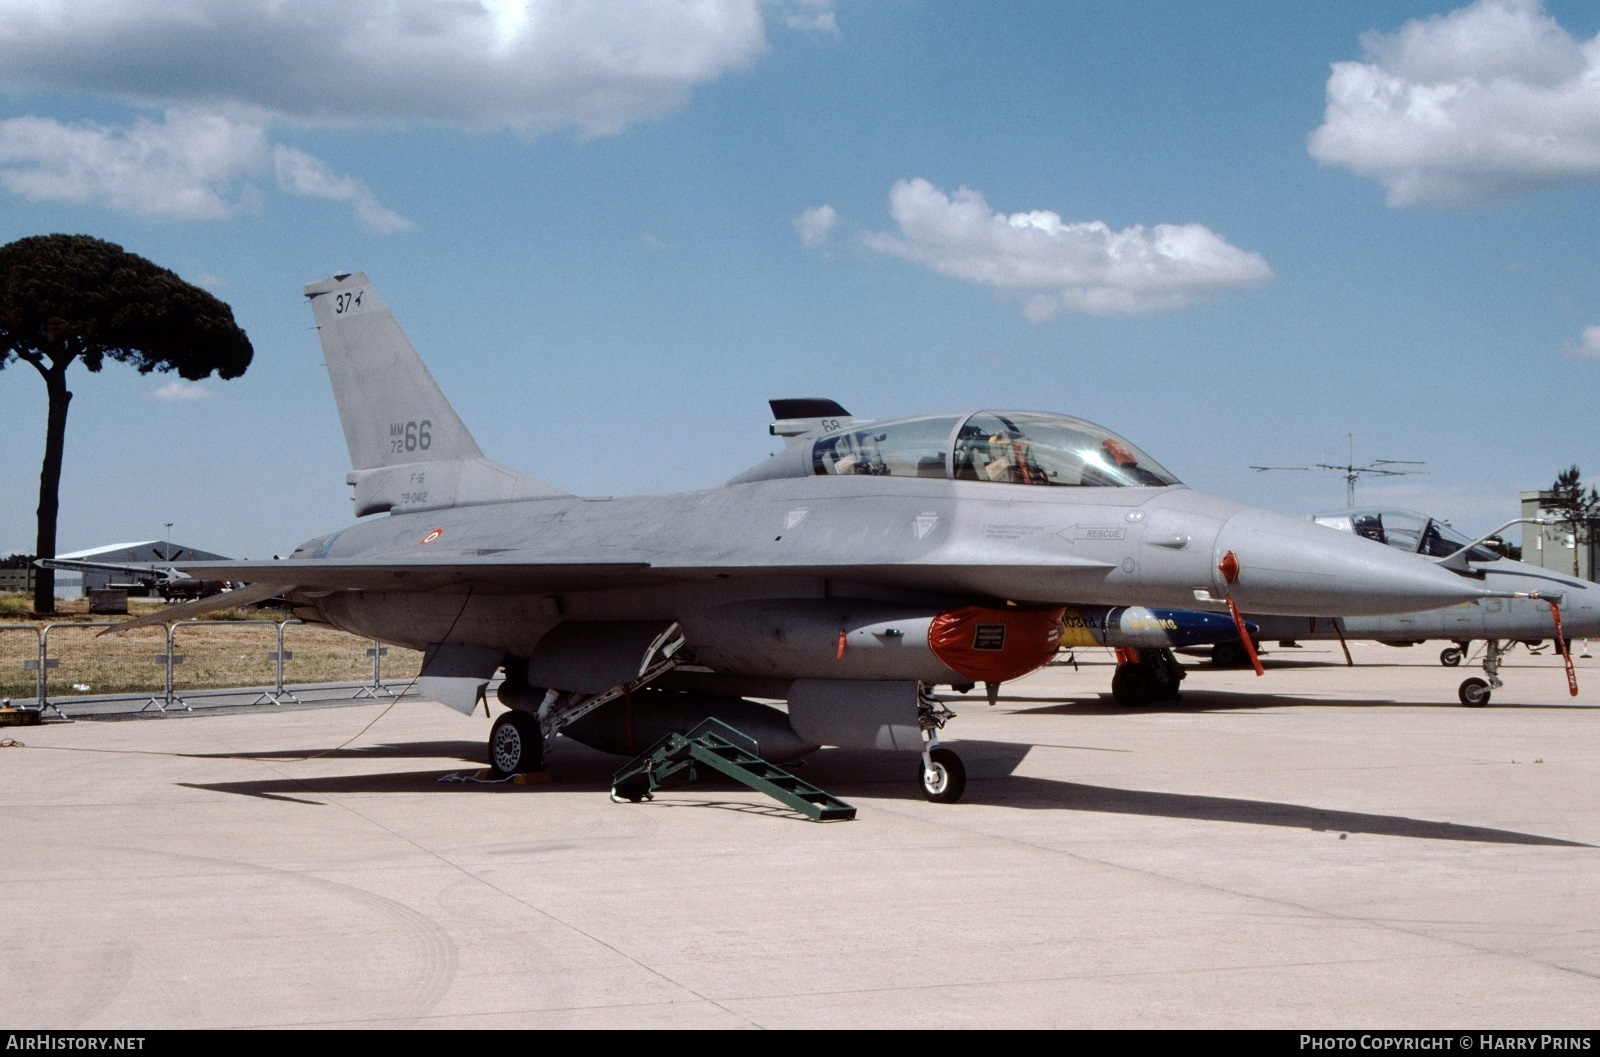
x=392 y=409
x=409 y=450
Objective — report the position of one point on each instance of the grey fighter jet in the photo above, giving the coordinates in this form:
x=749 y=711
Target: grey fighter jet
x=848 y=575
x=1508 y=616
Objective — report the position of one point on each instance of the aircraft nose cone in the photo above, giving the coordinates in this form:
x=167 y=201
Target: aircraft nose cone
x=1283 y=565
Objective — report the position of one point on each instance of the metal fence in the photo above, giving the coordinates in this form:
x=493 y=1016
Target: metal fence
x=21 y=679
x=56 y=667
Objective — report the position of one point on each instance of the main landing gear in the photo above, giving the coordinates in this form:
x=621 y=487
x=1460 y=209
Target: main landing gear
x=944 y=776
x=518 y=738
x=1152 y=675
x=516 y=745
x=1474 y=692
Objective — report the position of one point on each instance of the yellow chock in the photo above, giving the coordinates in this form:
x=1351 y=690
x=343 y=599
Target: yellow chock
x=540 y=777
x=20 y=717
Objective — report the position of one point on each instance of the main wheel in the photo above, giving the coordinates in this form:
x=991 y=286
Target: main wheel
x=946 y=779
x=1133 y=686
x=1474 y=692
x=1450 y=656
x=515 y=744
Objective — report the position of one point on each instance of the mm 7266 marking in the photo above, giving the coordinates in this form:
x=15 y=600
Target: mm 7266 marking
x=410 y=436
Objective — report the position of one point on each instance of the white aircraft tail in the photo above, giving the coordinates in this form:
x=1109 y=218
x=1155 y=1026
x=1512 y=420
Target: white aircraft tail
x=409 y=450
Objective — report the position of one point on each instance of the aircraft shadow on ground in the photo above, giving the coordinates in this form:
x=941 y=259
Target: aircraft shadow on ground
x=854 y=773
x=466 y=751
x=1235 y=701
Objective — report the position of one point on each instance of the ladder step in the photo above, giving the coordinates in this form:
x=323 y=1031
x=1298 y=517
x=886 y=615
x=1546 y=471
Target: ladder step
x=676 y=753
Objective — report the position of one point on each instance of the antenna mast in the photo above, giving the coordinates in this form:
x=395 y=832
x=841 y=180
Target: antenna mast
x=1352 y=473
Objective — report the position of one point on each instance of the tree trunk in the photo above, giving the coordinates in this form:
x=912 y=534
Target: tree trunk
x=55 y=442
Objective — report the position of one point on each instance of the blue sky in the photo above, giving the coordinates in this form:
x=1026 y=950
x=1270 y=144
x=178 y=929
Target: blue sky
x=1234 y=232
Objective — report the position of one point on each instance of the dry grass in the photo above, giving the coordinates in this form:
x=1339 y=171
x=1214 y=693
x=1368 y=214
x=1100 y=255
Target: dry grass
x=232 y=651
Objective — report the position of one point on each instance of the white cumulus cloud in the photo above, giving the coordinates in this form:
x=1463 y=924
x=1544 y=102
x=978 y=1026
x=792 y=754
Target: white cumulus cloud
x=300 y=174
x=1055 y=265
x=179 y=391
x=1588 y=346
x=814 y=225
x=530 y=65
x=815 y=16
x=1489 y=102
x=188 y=166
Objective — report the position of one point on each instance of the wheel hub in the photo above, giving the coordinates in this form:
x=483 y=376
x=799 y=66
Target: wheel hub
x=507 y=748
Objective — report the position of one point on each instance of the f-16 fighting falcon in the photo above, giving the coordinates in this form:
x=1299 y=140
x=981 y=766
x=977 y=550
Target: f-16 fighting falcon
x=848 y=575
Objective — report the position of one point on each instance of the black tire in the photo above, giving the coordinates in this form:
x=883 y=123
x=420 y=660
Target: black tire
x=515 y=744
x=1227 y=655
x=633 y=792
x=947 y=779
x=1474 y=692
x=1450 y=656
x=1133 y=686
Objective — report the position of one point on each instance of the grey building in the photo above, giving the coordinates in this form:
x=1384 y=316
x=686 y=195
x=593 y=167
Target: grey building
x=1554 y=547
x=76 y=585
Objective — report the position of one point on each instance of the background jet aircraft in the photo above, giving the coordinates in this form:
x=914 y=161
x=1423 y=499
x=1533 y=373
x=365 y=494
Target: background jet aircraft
x=849 y=574
x=1491 y=620
x=167 y=582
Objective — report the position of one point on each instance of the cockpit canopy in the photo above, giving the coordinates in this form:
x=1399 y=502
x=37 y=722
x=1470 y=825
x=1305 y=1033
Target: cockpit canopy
x=1405 y=530
x=999 y=447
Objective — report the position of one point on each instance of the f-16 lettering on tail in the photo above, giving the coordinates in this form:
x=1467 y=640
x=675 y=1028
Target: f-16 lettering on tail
x=849 y=575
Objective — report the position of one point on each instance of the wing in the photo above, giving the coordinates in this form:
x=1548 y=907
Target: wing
x=508 y=574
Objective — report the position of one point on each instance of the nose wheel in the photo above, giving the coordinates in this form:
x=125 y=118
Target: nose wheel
x=1474 y=692
x=944 y=776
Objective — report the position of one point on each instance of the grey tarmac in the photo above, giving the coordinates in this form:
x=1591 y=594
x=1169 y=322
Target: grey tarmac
x=1324 y=847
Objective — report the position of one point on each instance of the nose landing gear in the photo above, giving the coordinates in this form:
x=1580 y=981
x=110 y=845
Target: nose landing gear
x=1474 y=692
x=944 y=776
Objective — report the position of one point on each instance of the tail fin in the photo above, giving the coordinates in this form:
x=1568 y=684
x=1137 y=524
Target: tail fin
x=409 y=450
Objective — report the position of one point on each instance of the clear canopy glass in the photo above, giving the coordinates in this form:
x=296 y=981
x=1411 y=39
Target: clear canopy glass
x=1406 y=530
x=999 y=447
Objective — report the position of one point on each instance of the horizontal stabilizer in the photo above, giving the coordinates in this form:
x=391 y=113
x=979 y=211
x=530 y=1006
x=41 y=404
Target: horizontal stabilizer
x=241 y=596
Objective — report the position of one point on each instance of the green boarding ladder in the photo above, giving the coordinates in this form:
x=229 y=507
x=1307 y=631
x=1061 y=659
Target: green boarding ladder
x=673 y=761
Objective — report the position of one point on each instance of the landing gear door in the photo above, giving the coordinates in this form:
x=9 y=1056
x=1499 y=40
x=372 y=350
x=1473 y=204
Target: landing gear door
x=457 y=675
x=591 y=657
